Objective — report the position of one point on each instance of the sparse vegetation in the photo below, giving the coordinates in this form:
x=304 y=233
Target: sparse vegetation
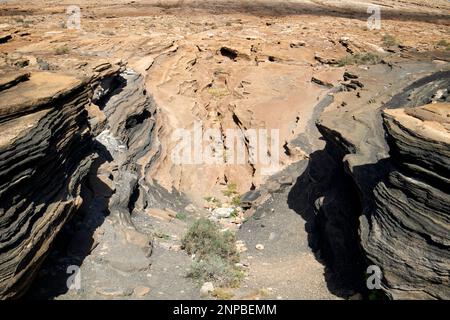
x=236 y=201
x=62 y=50
x=214 y=201
x=181 y=216
x=215 y=254
x=444 y=44
x=222 y=294
x=231 y=190
x=389 y=40
x=217 y=270
x=364 y=58
x=161 y=235
x=205 y=239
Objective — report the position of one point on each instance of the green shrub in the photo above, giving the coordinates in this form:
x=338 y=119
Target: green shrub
x=222 y=294
x=236 y=201
x=443 y=43
x=161 y=235
x=231 y=190
x=62 y=50
x=214 y=201
x=181 y=216
x=389 y=40
x=215 y=254
x=363 y=58
x=205 y=239
x=216 y=269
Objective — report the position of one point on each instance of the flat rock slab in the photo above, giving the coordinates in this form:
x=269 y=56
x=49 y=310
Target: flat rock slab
x=42 y=87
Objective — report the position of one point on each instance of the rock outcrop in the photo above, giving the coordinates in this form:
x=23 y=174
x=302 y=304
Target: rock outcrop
x=70 y=144
x=45 y=151
x=409 y=232
x=398 y=160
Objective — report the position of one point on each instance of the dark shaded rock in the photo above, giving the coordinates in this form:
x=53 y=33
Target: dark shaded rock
x=5 y=38
x=249 y=198
x=321 y=82
x=297 y=44
x=349 y=76
x=399 y=163
x=45 y=152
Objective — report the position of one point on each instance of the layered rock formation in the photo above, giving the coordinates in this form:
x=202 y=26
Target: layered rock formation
x=45 y=151
x=399 y=163
x=409 y=231
x=56 y=130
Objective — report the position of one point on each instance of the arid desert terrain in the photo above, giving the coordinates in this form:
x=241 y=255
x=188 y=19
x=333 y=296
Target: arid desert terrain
x=98 y=100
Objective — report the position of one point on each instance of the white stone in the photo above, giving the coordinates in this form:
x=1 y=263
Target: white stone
x=206 y=289
x=260 y=246
x=222 y=212
x=190 y=208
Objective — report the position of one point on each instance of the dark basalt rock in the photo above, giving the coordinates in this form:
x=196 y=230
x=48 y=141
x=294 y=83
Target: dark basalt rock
x=45 y=152
x=399 y=160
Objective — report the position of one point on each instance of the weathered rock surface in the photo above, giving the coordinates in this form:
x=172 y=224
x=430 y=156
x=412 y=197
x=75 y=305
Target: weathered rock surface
x=73 y=144
x=45 y=152
x=409 y=233
x=249 y=68
x=402 y=182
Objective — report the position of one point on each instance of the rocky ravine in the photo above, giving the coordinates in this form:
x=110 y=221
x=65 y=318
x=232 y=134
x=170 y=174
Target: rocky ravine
x=84 y=132
x=71 y=145
x=401 y=178
x=45 y=154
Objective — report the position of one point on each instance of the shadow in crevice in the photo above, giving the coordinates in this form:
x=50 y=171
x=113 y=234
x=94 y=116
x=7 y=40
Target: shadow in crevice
x=76 y=239
x=108 y=88
x=327 y=199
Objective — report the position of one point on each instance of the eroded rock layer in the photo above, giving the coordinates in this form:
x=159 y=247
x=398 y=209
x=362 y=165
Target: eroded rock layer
x=399 y=161
x=58 y=130
x=409 y=233
x=45 y=151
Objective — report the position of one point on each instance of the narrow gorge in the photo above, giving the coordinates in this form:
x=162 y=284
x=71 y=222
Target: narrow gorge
x=91 y=120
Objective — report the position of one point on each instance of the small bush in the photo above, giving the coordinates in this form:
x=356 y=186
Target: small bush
x=161 y=235
x=214 y=201
x=443 y=43
x=231 y=190
x=389 y=40
x=364 y=58
x=236 y=201
x=181 y=216
x=62 y=50
x=216 y=269
x=222 y=294
x=215 y=254
x=205 y=239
